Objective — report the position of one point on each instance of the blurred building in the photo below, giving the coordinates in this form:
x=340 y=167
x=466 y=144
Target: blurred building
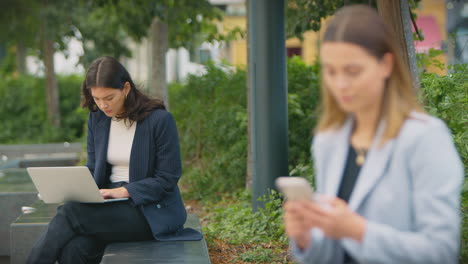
x=235 y=52
x=443 y=23
x=457 y=29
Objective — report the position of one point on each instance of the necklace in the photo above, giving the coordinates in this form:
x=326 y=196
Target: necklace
x=361 y=156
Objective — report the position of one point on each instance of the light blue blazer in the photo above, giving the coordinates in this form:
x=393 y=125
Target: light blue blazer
x=408 y=190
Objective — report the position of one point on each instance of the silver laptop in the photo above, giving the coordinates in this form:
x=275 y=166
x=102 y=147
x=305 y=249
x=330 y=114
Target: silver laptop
x=62 y=184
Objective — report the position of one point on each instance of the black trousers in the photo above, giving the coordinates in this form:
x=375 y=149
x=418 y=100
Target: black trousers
x=80 y=232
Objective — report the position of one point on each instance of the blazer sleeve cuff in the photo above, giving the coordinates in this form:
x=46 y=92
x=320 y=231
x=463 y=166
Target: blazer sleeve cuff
x=134 y=194
x=309 y=254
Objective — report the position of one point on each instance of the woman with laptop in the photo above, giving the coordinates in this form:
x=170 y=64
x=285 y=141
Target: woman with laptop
x=388 y=174
x=133 y=152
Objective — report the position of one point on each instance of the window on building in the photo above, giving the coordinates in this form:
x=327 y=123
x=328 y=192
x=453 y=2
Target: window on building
x=205 y=56
x=294 y=51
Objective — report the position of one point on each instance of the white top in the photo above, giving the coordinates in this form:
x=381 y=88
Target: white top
x=119 y=149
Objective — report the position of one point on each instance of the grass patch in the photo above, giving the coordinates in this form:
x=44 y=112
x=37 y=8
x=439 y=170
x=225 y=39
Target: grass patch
x=264 y=255
x=464 y=228
x=236 y=234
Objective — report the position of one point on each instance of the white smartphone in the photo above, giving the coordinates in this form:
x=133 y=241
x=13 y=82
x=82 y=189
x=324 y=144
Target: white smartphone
x=295 y=188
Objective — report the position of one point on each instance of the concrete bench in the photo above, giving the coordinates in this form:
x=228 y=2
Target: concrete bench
x=177 y=252
x=40 y=150
x=28 y=227
x=16 y=190
x=41 y=162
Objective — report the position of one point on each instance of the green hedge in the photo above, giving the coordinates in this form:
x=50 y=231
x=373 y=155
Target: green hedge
x=210 y=111
x=212 y=120
x=23 y=110
x=211 y=115
x=447 y=98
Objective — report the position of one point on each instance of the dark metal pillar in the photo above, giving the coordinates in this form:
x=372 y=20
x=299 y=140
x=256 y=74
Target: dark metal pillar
x=268 y=95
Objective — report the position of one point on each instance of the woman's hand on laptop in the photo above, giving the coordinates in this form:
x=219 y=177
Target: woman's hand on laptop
x=120 y=192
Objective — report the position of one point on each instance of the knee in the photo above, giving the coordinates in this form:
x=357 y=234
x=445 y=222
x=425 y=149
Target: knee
x=82 y=249
x=69 y=208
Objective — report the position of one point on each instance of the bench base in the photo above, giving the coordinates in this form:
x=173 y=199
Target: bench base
x=25 y=230
x=10 y=209
x=176 y=252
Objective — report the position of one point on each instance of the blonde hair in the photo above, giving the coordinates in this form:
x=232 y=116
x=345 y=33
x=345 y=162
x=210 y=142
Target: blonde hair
x=362 y=26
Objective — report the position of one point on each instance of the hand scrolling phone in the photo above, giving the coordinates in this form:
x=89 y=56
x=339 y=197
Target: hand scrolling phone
x=295 y=188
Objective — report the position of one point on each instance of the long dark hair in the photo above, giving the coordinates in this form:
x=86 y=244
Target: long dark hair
x=109 y=73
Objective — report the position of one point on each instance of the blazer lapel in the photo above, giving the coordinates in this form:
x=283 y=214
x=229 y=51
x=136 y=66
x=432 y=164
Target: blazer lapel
x=338 y=158
x=373 y=169
x=139 y=156
x=101 y=142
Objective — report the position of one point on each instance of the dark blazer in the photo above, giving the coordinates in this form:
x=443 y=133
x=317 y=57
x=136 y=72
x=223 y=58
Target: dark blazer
x=155 y=169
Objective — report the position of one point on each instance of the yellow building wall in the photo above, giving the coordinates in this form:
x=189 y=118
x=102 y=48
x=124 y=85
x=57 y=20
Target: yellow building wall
x=236 y=51
x=437 y=9
x=309 y=46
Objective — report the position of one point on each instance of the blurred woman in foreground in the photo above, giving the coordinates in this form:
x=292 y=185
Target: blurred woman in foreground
x=388 y=173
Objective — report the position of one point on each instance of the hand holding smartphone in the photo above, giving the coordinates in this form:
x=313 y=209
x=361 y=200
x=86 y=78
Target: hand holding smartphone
x=295 y=188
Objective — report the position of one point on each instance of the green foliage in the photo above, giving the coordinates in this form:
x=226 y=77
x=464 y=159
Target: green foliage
x=260 y=233
x=305 y=15
x=8 y=63
x=464 y=228
x=233 y=220
x=30 y=21
x=23 y=110
x=263 y=255
x=188 y=21
x=303 y=99
x=424 y=60
x=212 y=122
x=18 y=21
x=104 y=26
x=446 y=97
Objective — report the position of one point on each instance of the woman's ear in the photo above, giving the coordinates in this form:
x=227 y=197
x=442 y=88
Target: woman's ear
x=127 y=88
x=388 y=62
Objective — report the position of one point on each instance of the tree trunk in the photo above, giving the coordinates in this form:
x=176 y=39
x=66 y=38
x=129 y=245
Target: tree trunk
x=20 y=58
x=47 y=50
x=396 y=15
x=159 y=46
x=248 y=176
